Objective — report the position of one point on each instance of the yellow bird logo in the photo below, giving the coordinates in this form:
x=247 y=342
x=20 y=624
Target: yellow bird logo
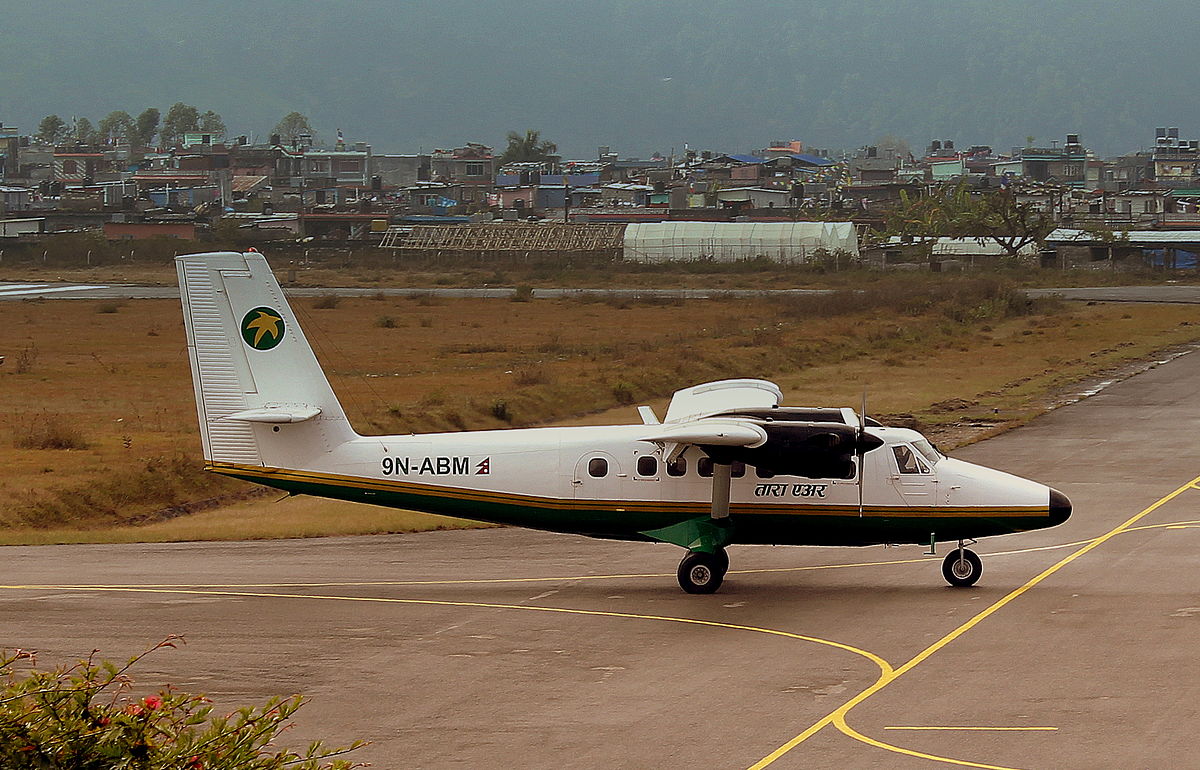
x=262 y=328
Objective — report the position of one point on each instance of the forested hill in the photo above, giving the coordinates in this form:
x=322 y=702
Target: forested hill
x=640 y=76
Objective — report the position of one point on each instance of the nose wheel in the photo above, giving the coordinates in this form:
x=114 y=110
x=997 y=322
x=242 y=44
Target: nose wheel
x=702 y=573
x=962 y=567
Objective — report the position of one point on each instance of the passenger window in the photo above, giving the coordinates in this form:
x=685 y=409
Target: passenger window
x=907 y=460
x=647 y=466
x=677 y=467
x=763 y=473
x=737 y=470
x=704 y=466
x=598 y=467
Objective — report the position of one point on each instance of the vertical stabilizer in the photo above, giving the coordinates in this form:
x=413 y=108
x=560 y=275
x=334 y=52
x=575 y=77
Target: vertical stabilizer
x=261 y=396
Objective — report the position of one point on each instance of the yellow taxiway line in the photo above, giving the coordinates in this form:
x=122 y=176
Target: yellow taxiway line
x=973 y=727
x=887 y=673
x=837 y=717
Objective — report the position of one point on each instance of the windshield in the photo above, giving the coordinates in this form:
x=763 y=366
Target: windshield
x=927 y=451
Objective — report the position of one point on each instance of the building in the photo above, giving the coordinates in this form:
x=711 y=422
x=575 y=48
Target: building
x=15 y=228
x=472 y=167
x=787 y=242
x=1064 y=165
x=1175 y=249
x=15 y=198
x=754 y=197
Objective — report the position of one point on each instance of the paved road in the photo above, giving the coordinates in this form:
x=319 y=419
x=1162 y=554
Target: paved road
x=504 y=647
x=1185 y=294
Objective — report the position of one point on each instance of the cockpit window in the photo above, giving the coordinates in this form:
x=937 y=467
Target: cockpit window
x=907 y=460
x=927 y=451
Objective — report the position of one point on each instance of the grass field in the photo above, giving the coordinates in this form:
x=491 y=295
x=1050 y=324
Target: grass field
x=97 y=423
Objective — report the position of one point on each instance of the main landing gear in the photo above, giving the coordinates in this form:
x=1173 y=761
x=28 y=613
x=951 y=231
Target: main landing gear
x=702 y=573
x=962 y=567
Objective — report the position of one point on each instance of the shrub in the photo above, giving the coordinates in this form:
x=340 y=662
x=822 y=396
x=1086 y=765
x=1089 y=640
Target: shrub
x=522 y=294
x=500 y=410
x=385 y=322
x=326 y=302
x=84 y=716
x=623 y=393
x=530 y=375
x=25 y=358
x=108 y=307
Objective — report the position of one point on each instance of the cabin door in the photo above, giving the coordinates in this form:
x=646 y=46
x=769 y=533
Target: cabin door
x=598 y=476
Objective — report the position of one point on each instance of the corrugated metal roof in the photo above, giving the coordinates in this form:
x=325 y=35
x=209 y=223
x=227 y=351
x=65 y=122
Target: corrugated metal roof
x=247 y=183
x=1134 y=237
x=965 y=247
x=745 y=158
x=812 y=159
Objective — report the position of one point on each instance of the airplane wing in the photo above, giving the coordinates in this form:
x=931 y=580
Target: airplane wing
x=823 y=448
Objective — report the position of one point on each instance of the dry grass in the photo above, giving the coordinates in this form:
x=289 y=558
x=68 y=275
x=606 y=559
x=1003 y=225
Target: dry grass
x=122 y=380
x=254 y=520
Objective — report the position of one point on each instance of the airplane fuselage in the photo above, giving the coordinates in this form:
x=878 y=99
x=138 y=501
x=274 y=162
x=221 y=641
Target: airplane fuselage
x=605 y=482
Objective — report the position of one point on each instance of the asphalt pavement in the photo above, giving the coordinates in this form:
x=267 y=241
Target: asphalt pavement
x=512 y=648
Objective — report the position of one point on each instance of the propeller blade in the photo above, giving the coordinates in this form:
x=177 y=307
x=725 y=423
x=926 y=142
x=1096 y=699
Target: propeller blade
x=859 y=452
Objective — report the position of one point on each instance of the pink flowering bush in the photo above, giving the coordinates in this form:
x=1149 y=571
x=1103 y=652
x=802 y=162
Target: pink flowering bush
x=84 y=717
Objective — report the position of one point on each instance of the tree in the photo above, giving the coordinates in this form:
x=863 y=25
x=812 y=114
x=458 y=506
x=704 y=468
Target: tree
x=181 y=119
x=147 y=127
x=117 y=125
x=53 y=130
x=957 y=212
x=293 y=125
x=84 y=132
x=528 y=148
x=211 y=122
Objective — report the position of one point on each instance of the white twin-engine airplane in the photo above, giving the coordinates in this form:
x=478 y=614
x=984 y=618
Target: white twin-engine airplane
x=727 y=465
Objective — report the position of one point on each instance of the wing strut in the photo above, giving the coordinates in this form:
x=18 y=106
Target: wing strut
x=722 y=480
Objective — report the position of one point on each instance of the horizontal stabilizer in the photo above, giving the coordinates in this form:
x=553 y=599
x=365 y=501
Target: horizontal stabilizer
x=275 y=414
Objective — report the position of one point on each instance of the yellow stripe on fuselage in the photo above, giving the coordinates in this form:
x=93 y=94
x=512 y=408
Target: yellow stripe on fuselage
x=663 y=506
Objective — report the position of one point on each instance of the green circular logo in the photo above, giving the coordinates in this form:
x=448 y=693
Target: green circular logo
x=262 y=328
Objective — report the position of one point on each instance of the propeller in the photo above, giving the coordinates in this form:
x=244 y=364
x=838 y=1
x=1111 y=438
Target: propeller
x=859 y=452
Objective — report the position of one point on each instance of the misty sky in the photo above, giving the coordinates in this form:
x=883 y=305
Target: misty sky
x=409 y=75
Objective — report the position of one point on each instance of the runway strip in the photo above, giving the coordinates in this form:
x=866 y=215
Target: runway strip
x=837 y=717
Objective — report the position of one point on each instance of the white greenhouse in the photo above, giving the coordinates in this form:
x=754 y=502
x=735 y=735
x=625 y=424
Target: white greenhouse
x=787 y=242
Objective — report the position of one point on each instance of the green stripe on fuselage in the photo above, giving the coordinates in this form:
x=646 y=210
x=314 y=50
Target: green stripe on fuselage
x=804 y=525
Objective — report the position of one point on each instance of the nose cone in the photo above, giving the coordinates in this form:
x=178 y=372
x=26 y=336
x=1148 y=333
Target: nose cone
x=1060 y=507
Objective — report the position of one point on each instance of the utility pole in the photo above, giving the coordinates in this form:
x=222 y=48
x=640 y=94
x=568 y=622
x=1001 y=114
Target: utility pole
x=566 y=199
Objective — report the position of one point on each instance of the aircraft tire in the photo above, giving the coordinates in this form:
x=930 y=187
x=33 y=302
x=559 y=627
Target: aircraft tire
x=964 y=572
x=723 y=557
x=701 y=573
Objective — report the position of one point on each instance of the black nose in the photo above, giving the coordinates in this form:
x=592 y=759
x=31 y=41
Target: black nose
x=1060 y=507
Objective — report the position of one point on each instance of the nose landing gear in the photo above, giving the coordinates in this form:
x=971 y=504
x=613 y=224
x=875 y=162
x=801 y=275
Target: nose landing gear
x=702 y=573
x=962 y=567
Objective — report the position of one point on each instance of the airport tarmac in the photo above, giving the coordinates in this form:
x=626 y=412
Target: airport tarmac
x=510 y=648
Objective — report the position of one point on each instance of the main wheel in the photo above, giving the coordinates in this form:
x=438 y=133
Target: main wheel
x=722 y=559
x=702 y=573
x=962 y=568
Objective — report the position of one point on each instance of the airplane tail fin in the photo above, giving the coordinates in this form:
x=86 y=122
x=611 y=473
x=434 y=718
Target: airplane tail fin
x=261 y=395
